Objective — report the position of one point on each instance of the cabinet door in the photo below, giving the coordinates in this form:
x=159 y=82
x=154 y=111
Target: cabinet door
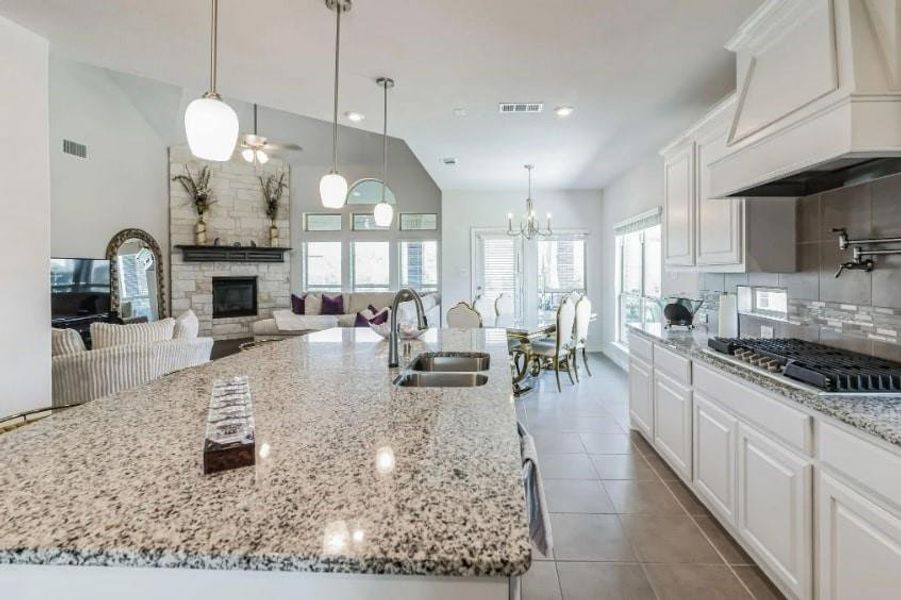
x=679 y=207
x=715 y=432
x=859 y=546
x=641 y=397
x=718 y=222
x=672 y=422
x=775 y=508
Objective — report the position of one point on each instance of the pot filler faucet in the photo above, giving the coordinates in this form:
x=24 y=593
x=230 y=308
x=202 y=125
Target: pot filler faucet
x=862 y=259
x=421 y=322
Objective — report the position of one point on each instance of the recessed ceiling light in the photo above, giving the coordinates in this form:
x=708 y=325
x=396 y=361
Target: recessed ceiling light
x=354 y=116
x=459 y=112
x=450 y=161
x=564 y=111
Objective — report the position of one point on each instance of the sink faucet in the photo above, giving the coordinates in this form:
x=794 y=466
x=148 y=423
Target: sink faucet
x=402 y=296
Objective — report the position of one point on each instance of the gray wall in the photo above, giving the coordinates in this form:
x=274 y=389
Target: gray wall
x=128 y=123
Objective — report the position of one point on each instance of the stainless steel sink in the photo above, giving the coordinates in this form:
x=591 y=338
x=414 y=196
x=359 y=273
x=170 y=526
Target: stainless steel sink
x=451 y=362
x=440 y=379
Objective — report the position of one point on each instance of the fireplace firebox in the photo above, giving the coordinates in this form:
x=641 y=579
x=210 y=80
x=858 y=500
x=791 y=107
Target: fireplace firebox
x=234 y=297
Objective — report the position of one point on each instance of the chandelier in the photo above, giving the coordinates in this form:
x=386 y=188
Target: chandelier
x=529 y=226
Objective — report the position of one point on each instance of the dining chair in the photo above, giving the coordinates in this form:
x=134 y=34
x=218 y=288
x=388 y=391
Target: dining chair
x=580 y=333
x=483 y=306
x=559 y=350
x=463 y=316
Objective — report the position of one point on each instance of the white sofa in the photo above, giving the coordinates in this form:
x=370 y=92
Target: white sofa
x=354 y=302
x=81 y=375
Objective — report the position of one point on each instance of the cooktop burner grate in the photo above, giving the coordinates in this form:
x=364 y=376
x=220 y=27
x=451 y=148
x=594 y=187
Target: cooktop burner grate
x=823 y=367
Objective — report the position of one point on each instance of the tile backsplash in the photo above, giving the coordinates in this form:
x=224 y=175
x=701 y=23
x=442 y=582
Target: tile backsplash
x=857 y=311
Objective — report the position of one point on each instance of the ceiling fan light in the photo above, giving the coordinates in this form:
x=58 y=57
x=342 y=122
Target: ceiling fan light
x=383 y=214
x=247 y=154
x=262 y=157
x=333 y=190
x=211 y=127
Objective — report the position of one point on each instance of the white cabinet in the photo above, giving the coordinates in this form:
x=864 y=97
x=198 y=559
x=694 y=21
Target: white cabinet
x=715 y=434
x=775 y=508
x=718 y=222
x=859 y=545
x=641 y=396
x=672 y=422
x=678 y=206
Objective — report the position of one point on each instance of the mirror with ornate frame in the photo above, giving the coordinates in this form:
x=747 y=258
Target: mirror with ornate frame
x=369 y=191
x=137 y=284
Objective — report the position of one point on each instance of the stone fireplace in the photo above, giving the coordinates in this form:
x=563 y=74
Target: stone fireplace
x=217 y=285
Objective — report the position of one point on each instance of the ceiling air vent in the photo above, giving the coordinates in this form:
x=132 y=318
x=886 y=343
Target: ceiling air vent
x=520 y=107
x=75 y=149
x=449 y=161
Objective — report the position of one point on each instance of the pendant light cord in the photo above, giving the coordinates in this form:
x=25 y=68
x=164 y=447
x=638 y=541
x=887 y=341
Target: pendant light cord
x=385 y=142
x=214 y=35
x=337 y=60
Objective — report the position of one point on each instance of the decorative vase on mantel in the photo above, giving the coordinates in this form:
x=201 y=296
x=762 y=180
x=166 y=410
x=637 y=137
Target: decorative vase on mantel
x=273 y=235
x=200 y=232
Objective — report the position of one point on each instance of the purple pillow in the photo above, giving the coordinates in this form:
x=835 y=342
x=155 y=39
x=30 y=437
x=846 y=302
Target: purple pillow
x=373 y=309
x=333 y=305
x=361 y=320
x=298 y=304
x=381 y=317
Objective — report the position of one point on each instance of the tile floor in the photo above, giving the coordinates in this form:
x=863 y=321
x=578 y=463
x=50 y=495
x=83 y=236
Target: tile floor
x=624 y=527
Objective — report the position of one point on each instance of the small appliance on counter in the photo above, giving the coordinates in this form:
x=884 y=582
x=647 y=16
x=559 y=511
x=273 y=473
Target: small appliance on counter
x=680 y=312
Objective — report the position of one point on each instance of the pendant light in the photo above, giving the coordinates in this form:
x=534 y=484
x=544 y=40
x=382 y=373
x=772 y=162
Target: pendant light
x=211 y=125
x=333 y=186
x=383 y=213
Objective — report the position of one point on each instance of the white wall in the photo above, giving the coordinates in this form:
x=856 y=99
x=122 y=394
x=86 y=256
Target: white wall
x=461 y=211
x=25 y=227
x=635 y=191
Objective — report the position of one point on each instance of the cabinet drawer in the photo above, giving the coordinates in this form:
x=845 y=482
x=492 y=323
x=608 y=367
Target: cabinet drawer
x=676 y=366
x=860 y=460
x=641 y=347
x=792 y=426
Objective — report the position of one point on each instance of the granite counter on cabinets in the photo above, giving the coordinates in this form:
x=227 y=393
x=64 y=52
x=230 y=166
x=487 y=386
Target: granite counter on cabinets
x=879 y=415
x=353 y=474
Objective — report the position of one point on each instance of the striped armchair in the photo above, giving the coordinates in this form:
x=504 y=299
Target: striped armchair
x=91 y=374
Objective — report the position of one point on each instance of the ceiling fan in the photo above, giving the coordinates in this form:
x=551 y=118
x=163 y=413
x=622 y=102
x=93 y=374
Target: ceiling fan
x=256 y=148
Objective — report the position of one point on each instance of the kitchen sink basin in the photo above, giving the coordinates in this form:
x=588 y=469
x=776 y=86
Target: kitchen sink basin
x=440 y=379
x=438 y=362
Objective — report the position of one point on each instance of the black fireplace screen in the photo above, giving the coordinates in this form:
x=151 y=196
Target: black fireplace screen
x=234 y=297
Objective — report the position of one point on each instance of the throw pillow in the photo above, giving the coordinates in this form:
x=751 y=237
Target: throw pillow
x=363 y=318
x=104 y=335
x=65 y=341
x=381 y=316
x=333 y=305
x=187 y=326
x=297 y=304
x=312 y=304
x=375 y=310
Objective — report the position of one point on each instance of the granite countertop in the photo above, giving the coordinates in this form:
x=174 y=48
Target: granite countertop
x=353 y=474
x=879 y=415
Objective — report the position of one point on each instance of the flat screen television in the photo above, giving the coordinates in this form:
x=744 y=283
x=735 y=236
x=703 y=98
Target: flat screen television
x=79 y=287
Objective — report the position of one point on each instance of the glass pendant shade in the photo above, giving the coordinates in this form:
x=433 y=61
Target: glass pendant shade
x=211 y=126
x=383 y=214
x=333 y=190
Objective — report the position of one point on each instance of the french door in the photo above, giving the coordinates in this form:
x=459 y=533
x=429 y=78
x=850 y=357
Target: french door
x=497 y=265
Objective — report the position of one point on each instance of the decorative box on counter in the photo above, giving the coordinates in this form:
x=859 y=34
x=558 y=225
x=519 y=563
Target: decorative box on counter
x=229 y=442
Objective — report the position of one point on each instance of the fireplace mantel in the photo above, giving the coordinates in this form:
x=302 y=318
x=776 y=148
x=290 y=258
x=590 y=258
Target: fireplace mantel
x=242 y=254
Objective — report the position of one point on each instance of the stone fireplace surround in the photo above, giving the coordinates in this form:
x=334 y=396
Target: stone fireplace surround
x=236 y=216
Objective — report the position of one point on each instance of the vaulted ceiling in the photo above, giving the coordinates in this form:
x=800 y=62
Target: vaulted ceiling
x=635 y=70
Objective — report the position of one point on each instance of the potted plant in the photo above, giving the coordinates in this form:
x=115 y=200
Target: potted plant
x=201 y=194
x=273 y=187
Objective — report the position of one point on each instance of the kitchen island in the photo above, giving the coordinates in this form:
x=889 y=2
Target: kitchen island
x=361 y=488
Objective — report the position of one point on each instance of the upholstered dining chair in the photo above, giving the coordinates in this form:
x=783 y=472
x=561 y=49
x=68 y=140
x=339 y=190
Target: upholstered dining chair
x=580 y=333
x=558 y=351
x=483 y=306
x=463 y=316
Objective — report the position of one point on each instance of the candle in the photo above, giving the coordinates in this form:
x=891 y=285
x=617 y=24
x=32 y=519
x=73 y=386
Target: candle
x=510 y=221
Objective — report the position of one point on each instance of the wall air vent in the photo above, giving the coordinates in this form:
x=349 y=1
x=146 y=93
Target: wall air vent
x=75 y=149
x=520 y=107
x=449 y=161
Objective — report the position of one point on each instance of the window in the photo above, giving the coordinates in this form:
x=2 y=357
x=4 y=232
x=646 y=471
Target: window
x=418 y=221
x=419 y=265
x=321 y=222
x=370 y=266
x=638 y=272
x=561 y=270
x=322 y=266
x=365 y=222
x=497 y=260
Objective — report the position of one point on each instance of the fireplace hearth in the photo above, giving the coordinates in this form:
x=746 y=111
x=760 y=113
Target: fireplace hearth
x=234 y=297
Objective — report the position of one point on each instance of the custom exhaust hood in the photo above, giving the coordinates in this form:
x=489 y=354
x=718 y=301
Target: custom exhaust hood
x=819 y=99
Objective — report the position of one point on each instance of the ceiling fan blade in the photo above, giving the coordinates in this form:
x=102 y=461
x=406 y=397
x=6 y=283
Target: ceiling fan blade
x=275 y=146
